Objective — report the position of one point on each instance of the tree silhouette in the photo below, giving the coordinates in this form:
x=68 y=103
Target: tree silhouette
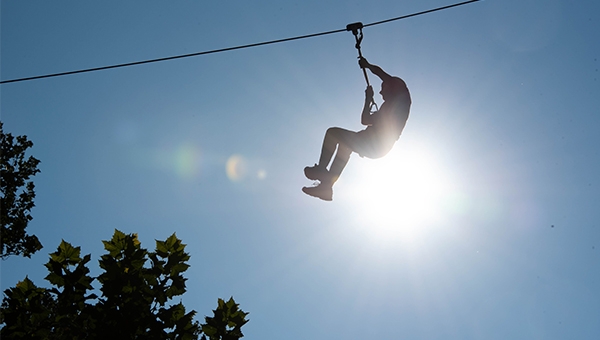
x=137 y=287
x=17 y=196
x=227 y=322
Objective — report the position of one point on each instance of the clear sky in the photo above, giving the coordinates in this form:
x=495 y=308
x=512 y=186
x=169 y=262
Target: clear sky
x=482 y=223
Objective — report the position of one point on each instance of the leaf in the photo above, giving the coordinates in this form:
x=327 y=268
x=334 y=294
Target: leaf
x=55 y=279
x=25 y=285
x=161 y=248
x=67 y=252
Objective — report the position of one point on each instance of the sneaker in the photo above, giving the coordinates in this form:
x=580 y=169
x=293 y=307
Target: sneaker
x=316 y=173
x=321 y=191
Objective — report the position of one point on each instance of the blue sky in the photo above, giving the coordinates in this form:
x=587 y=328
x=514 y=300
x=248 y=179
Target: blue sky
x=482 y=223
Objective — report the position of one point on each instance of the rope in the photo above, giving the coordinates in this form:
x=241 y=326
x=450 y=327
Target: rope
x=228 y=48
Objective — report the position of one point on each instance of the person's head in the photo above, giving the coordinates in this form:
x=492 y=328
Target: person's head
x=392 y=87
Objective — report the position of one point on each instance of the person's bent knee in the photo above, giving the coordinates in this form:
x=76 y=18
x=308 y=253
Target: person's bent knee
x=333 y=131
x=339 y=133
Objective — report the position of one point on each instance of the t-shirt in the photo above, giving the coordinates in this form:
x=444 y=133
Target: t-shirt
x=390 y=119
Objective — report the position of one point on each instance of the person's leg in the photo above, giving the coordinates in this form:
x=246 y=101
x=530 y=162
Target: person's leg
x=339 y=162
x=346 y=142
x=364 y=142
x=333 y=137
x=324 y=190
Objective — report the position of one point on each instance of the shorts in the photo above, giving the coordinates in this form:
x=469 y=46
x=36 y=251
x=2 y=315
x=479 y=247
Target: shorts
x=367 y=143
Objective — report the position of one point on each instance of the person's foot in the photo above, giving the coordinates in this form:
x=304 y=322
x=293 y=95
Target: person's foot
x=321 y=191
x=316 y=173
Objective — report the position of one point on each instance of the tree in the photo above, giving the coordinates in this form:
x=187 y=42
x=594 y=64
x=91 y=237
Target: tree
x=134 y=304
x=227 y=322
x=17 y=196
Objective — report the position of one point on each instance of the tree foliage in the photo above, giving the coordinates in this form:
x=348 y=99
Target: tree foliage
x=227 y=322
x=137 y=287
x=17 y=196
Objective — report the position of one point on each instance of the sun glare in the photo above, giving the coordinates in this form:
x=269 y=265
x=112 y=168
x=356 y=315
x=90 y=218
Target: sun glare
x=401 y=193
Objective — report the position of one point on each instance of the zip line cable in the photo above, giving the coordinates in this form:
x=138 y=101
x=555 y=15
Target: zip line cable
x=419 y=13
x=230 y=48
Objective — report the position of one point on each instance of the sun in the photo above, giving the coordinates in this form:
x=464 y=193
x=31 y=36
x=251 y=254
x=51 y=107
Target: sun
x=401 y=194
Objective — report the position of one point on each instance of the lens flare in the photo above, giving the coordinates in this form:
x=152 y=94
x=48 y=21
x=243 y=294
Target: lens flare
x=187 y=161
x=236 y=168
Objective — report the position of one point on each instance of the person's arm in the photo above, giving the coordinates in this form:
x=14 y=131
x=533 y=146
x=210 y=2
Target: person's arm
x=376 y=70
x=366 y=118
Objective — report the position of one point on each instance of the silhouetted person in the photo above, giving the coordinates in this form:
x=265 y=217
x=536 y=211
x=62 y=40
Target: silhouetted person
x=383 y=130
